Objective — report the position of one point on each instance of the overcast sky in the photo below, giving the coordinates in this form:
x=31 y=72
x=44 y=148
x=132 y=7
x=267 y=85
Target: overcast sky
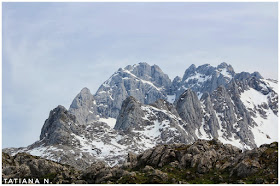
x=52 y=50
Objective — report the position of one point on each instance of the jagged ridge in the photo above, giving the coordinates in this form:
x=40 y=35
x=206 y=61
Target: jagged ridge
x=238 y=108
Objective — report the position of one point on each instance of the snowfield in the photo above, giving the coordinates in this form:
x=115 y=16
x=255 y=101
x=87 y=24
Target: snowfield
x=266 y=129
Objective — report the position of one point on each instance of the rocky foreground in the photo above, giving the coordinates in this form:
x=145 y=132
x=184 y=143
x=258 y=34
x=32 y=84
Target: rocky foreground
x=202 y=162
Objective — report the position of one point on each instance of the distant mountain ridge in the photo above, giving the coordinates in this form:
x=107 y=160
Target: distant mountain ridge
x=139 y=107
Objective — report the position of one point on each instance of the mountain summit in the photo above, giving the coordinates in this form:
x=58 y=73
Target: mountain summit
x=144 y=82
x=139 y=107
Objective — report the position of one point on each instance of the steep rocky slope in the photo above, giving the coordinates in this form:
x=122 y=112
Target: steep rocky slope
x=138 y=128
x=201 y=162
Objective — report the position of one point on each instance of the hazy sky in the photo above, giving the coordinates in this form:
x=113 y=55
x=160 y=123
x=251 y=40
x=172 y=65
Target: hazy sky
x=52 y=50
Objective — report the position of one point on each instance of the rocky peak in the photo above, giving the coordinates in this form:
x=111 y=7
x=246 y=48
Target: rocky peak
x=85 y=90
x=243 y=76
x=81 y=99
x=224 y=65
x=227 y=69
x=144 y=82
x=175 y=84
x=58 y=128
x=205 y=69
x=177 y=79
x=150 y=73
x=259 y=85
x=211 y=104
x=84 y=107
x=189 y=108
x=257 y=75
x=130 y=111
x=204 y=78
x=190 y=71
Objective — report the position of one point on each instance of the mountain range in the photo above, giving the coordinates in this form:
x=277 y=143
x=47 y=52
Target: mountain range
x=139 y=107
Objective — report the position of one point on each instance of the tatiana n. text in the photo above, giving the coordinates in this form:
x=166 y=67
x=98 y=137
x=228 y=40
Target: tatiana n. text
x=25 y=181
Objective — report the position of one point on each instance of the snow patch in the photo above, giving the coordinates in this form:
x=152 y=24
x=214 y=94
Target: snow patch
x=199 y=77
x=225 y=73
x=271 y=84
x=171 y=98
x=252 y=97
x=109 y=121
x=143 y=81
x=266 y=130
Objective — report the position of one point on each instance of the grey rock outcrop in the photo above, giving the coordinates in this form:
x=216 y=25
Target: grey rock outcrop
x=59 y=127
x=26 y=166
x=175 y=85
x=202 y=155
x=84 y=107
x=210 y=117
x=200 y=162
x=129 y=115
x=189 y=108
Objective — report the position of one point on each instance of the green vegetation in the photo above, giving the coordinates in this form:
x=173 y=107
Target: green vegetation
x=137 y=178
